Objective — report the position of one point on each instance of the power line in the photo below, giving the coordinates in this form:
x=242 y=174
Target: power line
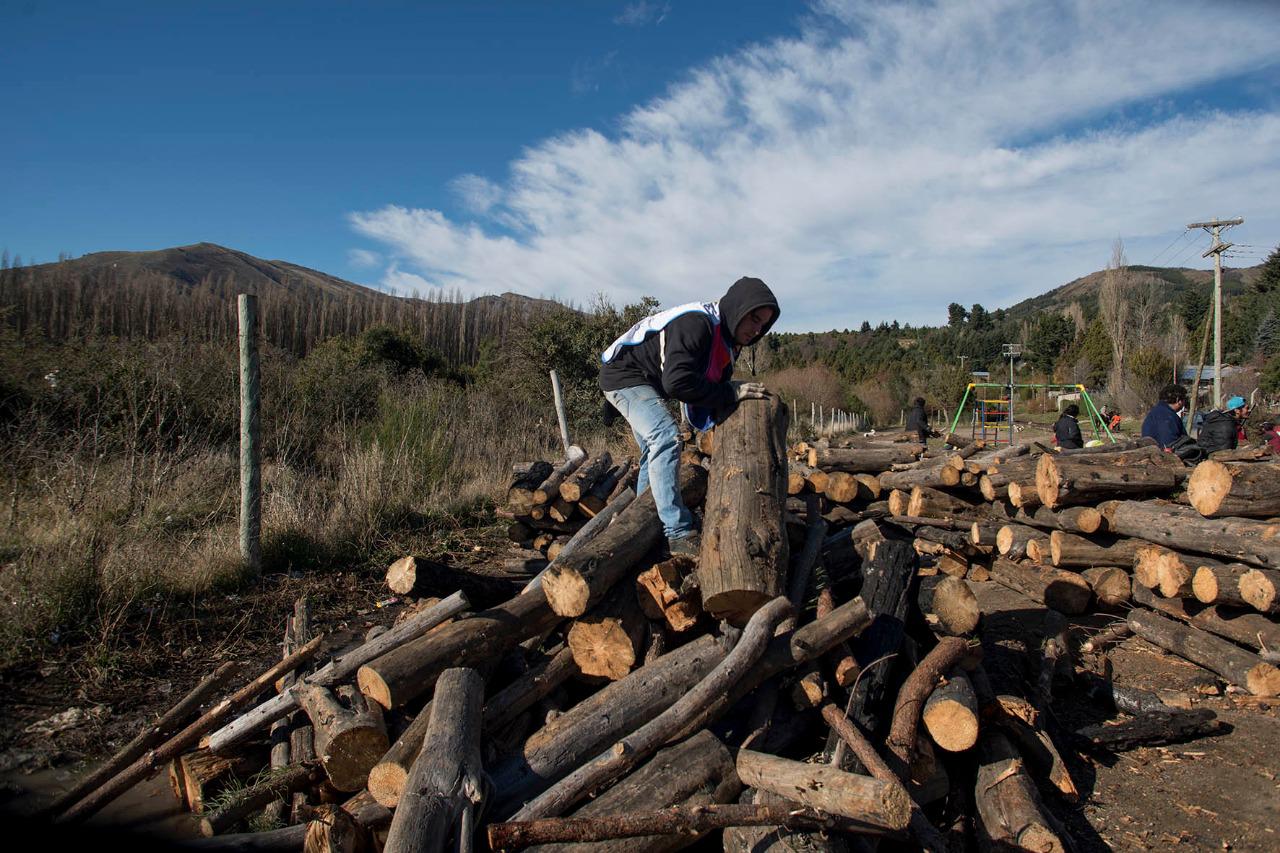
x=1177 y=239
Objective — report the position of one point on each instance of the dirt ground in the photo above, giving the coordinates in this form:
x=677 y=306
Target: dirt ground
x=1220 y=792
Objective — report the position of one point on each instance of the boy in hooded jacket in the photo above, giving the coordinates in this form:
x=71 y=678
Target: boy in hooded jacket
x=686 y=354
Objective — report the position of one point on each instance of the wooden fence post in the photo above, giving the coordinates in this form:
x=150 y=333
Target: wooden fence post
x=559 y=395
x=250 y=429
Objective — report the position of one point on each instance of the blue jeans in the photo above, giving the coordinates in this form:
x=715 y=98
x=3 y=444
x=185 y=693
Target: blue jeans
x=658 y=437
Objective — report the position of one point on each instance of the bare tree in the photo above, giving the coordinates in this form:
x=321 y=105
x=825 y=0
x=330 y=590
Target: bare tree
x=1116 y=311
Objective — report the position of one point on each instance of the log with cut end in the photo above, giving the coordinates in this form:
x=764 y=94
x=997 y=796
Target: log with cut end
x=743 y=560
x=1023 y=494
x=1072 y=519
x=936 y=475
x=1258 y=588
x=1010 y=814
x=797 y=477
x=899 y=501
x=952 y=563
x=1080 y=480
x=446 y=782
x=549 y=489
x=665 y=595
x=1111 y=585
x=1242 y=540
x=1069 y=550
x=526 y=477
x=561 y=510
x=607 y=640
x=1246 y=627
x=871 y=460
x=276 y=786
x=1176 y=572
x=350 y=735
x=1063 y=591
x=204 y=775
x=1040 y=550
x=578 y=581
x=1228 y=660
x=817 y=480
x=594 y=501
x=825 y=788
x=580 y=483
x=951 y=713
x=423 y=578
x=1146 y=565
x=1012 y=540
x=931 y=503
x=1249 y=489
x=951 y=602
x=846 y=488
x=1219 y=584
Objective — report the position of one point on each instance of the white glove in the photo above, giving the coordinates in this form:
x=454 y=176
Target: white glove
x=748 y=391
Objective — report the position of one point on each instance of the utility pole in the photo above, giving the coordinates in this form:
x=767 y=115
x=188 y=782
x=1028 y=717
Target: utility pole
x=1215 y=227
x=1011 y=351
x=963 y=359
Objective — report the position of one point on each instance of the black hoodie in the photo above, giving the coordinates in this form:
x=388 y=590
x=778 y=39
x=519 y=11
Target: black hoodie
x=683 y=376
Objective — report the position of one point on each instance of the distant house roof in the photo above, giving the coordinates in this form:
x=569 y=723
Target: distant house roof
x=982 y=374
x=1188 y=374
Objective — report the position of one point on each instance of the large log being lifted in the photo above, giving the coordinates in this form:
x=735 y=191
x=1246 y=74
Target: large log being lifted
x=1080 y=479
x=744 y=556
x=1182 y=528
x=576 y=582
x=1249 y=489
x=1230 y=661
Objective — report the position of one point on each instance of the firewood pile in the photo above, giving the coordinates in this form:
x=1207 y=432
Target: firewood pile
x=814 y=676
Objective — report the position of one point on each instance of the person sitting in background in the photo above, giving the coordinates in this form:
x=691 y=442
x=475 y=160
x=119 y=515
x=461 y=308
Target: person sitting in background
x=918 y=421
x=1221 y=428
x=1164 y=421
x=1271 y=437
x=1067 y=430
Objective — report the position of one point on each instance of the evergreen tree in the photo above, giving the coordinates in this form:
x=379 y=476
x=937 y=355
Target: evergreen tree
x=956 y=315
x=1269 y=276
x=1267 y=339
x=979 y=319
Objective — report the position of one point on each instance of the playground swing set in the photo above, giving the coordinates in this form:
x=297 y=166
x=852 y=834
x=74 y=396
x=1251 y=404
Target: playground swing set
x=992 y=419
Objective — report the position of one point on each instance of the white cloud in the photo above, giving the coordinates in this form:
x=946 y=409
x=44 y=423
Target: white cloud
x=363 y=258
x=642 y=14
x=401 y=283
x=890 y=160
x=478 y=195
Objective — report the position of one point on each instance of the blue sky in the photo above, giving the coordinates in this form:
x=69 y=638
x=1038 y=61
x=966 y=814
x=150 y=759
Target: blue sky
x=869 y=160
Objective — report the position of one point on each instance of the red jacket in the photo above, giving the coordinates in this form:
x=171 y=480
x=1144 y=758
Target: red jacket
x=1272 y=438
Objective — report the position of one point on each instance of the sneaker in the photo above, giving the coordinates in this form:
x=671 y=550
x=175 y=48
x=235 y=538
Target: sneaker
x=685 y=546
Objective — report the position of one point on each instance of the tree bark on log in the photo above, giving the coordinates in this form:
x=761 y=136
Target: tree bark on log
x=1258 y=588
x=1085 y=520
x=915 y=692
x=349 y=738
x=1063 y=591
x=549 y=489
x=868 y=460
x=1219 y=584
x=1012 y=540
x=1152 y=729
x=665 y=596
x=446 y=782
x=1240 y=626
x=931 y=503
x=1183 y=529
x=1231 y=662
x=951 y=713
x=578 y=581
x=709 y=698
x=1071 y=551
x=361 y=808
x=607 y=641
x=778 y=838
x=146 y=738
x=744 y=556
x=423 y=578
x=174 y=746
x=1248 y=489
x=589 y=473
x=204 y=776
x=598 y=498
x=827 y=789
x=276 y=787
x=1111 y=586
x=1080 y=480
x=1009 y=809
x=337 y=671
x=936 y=475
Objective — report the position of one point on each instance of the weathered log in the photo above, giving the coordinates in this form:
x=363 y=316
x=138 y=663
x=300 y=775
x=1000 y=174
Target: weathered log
x=1152 y=729
x=589 y=473
x=349 y=738
x=1010 y=815
x=1111 y=586
x=1114 y=633
x=935 y=475
x=279 y=735
x=1040 y=551
x=845 y=488
x=951 y=713
x=1219 y=584
x=1063 y=591
x=868 y=460
x=1258 y=588
x=549 y=489
x=1069 y=550
x=932 y=503
x=290 y=839
x=146 y=738
x=951 y=603
x=598 y=498
x=423 y=578
x=1072 y=519
x=337 y=671
x=664 y=594
x=1245 y=627
x=1080 y=480
x=561 y=510
x=915 y=692
x=607 y=640
x=204 y=775
x=174 y=746
x=1012 y=540
x=818 y=786
x=580 y=579
x=1147 y=562
x=1023 y=494
x=1249 y=489
x=743 y=561
x=446 y=782
x=1020 y=720
x=704 y=702
x=1182 y=528
x=1176 y=573
x=275 y=787
x=778 y=838
x=302 y=745
x=526 y=476
x=1231 y=662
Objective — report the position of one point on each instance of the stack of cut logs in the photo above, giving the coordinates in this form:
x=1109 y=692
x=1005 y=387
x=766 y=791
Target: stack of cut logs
x=815 y=676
